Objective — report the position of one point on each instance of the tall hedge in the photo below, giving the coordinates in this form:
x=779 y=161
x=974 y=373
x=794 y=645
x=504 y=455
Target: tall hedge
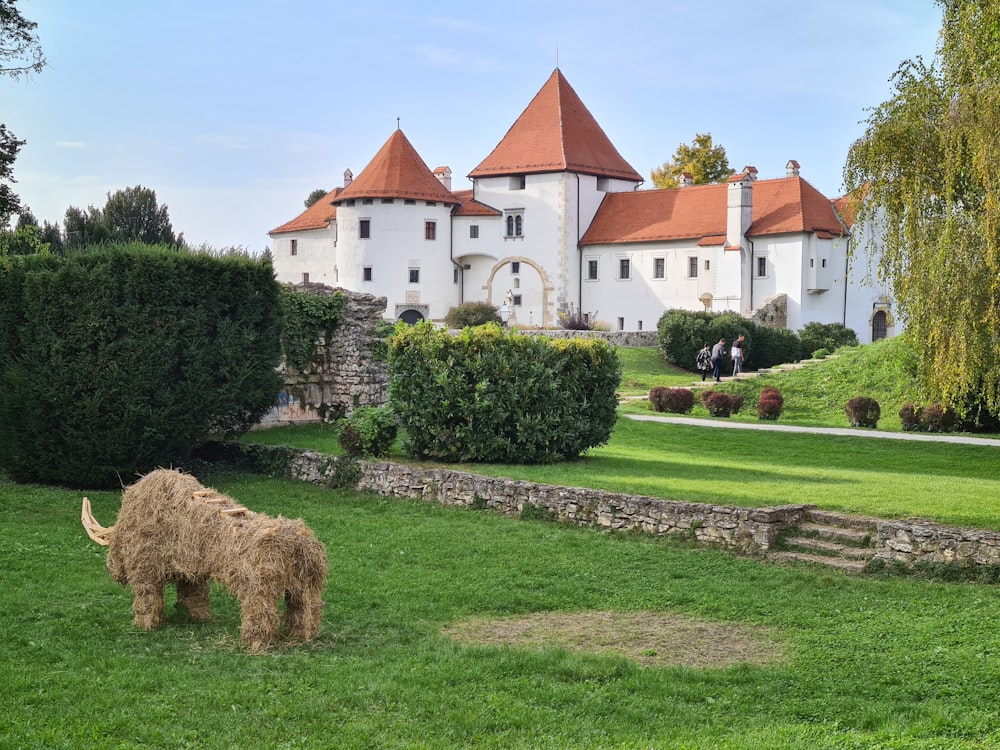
x=681 y=333
x=490 y=396
x=127 y=358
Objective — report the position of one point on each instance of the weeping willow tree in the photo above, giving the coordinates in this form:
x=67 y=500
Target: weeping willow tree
x=928 y=167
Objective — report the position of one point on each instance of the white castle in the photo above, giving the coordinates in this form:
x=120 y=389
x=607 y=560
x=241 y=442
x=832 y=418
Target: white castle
x=555 y=222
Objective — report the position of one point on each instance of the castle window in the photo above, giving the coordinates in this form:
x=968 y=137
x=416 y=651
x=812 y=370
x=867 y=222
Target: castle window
x=516 y=298
x=414 y=275
x=367 y=201
x=592 y=270
x=624 y=269
x=409 y=202
x=430 y=230
x=517 y=182
x=366 y=273
x=515 y=223
x=365 y=229
x=387 y=201
x=659 y=268
x=295 y=247
x=474 y=232
x=305 y=278
x=515 y=266
x=761 y=267
x=693 y=267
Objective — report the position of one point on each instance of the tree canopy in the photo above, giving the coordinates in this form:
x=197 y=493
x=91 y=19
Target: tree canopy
x=314 y=196
x=20 y=55
x=927 y=168
x=702 y=159
x=130 y=215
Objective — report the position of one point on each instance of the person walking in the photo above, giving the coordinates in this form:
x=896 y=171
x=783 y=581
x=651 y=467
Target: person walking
x=704 y=361
x=737 y=355
x=718 y=355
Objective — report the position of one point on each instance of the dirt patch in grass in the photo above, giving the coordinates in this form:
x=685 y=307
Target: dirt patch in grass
x=654 y=639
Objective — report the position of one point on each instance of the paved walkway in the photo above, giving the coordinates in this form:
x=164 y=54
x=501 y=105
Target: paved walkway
x=852 y=432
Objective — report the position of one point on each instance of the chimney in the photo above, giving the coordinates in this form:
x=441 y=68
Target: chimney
x=348 y=177
x=444 y=177
x=750 y=172
x=739 y=207
x=792 y=168
x=687 y=179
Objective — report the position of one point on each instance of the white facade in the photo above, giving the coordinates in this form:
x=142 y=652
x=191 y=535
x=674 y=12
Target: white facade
x=551 y=240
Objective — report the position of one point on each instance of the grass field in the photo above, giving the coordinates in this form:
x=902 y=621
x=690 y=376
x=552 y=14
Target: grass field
x=824 y=660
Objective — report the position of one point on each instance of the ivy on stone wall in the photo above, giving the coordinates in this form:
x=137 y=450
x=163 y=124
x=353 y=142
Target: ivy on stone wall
x=308 y=318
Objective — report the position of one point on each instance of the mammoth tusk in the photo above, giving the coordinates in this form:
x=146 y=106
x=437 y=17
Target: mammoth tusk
x=94 y=530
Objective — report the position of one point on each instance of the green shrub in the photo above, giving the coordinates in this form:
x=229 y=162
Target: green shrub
x=470 y=314
x=863 y=411
x=829 y=336
x=821 y=353
x=368 y=431
x=127 y=358
x=682 y=333
x=491 y=396
x=673 y=400
x=770 y=404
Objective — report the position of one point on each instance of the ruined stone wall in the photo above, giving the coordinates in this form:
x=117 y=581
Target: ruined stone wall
x=916 y=540
x=773 y=313
x=746 y=530
x=347 y=371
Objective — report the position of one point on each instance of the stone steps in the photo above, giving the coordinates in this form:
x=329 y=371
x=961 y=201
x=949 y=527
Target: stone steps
x=828 y=538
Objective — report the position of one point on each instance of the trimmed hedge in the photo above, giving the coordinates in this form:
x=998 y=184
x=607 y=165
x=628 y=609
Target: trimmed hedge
x=673 y=400
x=487 y=395
x=129 y=357
x=863 y=411
x=681 y=334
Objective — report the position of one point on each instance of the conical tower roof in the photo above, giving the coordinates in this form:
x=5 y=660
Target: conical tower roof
x=397 y=171
x=556 y=133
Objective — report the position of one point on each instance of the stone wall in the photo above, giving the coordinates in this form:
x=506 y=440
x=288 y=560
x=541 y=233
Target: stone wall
x=744 y=530
x=917 y=540
x=345 y=372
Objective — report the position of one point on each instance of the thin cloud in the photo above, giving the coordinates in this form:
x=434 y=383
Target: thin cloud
x=445 y=57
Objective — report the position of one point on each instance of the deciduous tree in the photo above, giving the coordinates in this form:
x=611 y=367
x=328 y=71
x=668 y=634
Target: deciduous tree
x=20 y=55
x=927 y=167
x=703 y=160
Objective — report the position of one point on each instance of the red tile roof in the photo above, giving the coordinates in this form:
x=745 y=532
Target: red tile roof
x=397 y=171
x=780 y=206
x=556 y=133
x=472 y=207
x=317 y=216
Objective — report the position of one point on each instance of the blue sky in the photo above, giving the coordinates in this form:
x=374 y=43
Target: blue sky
x=234 y=112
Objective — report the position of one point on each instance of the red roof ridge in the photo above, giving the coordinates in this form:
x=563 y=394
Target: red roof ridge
x=317 y=216
x=556 y=133
x=397 y=171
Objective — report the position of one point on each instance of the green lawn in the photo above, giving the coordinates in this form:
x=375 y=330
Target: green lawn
x=860 y=662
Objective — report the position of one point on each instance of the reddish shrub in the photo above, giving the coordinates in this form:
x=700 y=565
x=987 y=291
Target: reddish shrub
x=938 y=418
x=703 y=395
x=770 y=404
x=657 y=397
x=863 y=411
x=719 y=404
x=737 y=401
x=678 y=400
x=909 y=415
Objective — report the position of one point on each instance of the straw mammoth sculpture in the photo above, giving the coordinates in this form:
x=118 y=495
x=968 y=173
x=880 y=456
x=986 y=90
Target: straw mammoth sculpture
x=172 y=529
